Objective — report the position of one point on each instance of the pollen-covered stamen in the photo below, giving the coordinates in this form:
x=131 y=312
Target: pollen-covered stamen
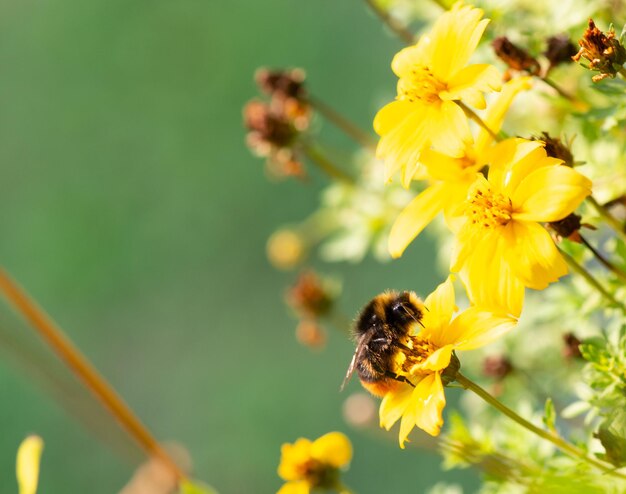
x=487 y=208
x=420 y=85
x=417 y=351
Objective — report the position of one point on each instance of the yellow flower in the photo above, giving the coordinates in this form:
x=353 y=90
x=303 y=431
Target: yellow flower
x=430 y=355
x=27 y=469
x=501 y=247
x=307 y=465
x=433 y=77
x=451 y=177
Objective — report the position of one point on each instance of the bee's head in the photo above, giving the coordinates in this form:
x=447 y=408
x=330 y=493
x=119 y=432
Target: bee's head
x=403 y=309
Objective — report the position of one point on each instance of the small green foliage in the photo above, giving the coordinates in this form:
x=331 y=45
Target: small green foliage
x=612 y=435
x=549 y=417
x=192 y=487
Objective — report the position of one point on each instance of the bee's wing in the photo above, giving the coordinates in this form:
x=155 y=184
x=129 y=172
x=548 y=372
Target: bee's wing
x=358 y=354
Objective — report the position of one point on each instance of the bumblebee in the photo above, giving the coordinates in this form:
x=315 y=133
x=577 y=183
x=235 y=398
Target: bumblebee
x=381 y=331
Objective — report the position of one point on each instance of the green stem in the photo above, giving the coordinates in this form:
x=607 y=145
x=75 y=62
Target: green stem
x=558 y=89
x=622 y=72
x=327 y=166
x=360 y=136
x=559 y=442
x=592 y=281
x=603 y=260
x=608 y=217
x=476 y=118
x=401 y=31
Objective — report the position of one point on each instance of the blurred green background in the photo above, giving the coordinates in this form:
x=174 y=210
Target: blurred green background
x=132 y=211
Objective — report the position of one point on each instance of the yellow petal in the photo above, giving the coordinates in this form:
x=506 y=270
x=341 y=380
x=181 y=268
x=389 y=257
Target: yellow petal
x=402 y=144
x=28 y=458
x=499 y=108
x=476 y=327
x=391 y=116
x=430 y=404
x=333 y=449
x=488 y=278
x=549 y=194
x=297 y=487
x=439 y=305
x=408 y=58
x=292 y=456
x=511 y=160
x=454 y=36
x=443 y=167
x=436 y=361
x=469 y=83
x=393 y=405
x=449 y=130
x=532 y=255
x=415 y=216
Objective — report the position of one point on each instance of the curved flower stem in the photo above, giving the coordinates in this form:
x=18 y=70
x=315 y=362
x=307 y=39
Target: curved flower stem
x=622 y=72
x=608 y=217
x=401 y=31
x=603 y=260
x=357 y=134
x=471 y=114
x=327 y=166
x=559 y=442
x=85 y=371
x=559 y=90
x=592 y=281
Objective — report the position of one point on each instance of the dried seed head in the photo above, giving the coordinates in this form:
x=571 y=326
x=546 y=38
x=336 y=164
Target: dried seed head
x=556 y=148
x=515 y=57
x=568 y=227
x=308 y=297
x=571 y=348
x=560 y=50
x=603 y=51
x=497 y=367
x=281 y=83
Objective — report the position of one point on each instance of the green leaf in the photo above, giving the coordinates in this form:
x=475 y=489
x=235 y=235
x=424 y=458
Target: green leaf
x=612 y=435
x=549 y=417
x=193 y=487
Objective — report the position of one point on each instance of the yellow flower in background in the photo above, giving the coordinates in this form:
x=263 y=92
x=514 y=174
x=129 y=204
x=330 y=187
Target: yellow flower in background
x=451 y=177
x=27 y=468
x=501 y=246
x=428 y=356
x=308 y=465
x=433 y=76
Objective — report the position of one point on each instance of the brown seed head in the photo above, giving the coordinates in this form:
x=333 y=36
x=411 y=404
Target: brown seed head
x=556 y=148
x=603 y=51
x=559 y=50
x=568 y=227
x=281 y=83
x=308 y=296
x=515 y=57
x=497 y=366
x=571 y=348
x=310 y=334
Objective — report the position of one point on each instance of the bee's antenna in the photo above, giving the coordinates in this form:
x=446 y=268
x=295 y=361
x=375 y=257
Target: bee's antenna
x=413 y=317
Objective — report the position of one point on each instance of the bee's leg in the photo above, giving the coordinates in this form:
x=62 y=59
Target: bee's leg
x=396 y=377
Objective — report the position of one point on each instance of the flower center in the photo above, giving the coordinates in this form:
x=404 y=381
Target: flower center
x=487 y=208
x=420 y=85
x=318 y=474
x=419 y=349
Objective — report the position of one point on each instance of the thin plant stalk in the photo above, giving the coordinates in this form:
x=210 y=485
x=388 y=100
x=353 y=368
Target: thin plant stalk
x=558 y=89
x=608 y=217
x=86 y=372
x=350 y=129
x=401 y=31
x=603 y=260
x=476 y=118
x=622 y=72
x=559 y=442
x=592 y=281
x=327 y=166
